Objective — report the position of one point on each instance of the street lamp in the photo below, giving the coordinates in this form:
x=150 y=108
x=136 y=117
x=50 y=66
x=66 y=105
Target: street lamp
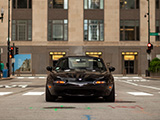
x=2 y=13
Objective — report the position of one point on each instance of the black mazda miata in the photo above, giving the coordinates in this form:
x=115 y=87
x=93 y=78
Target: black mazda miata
x=80 y=76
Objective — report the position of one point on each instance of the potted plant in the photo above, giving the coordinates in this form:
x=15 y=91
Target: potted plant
x=155 y=67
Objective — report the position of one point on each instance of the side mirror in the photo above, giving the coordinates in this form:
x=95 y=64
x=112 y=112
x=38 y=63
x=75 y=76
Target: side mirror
x=111 y=69
x=49 y=68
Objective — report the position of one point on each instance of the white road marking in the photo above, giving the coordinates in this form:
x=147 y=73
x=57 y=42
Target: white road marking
x=143 y=80
x=42 y=77
x=155 y=88
x=20 y=77
x=22 y=86
x=137 y=77
x=31 y=77
x=34 y=93
x=5 y=93
x=7 y=86
x=130 y=83
x=125 y=77
x=140 y=94
x=115 y=94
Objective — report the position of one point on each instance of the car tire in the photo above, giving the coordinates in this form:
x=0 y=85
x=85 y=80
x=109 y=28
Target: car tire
x=111 y=97
x=49 y=97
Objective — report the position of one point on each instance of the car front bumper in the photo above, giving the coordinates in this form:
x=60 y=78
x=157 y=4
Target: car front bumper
x=80 y=89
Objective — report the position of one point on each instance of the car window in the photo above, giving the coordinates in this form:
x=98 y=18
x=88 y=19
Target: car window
x=62 y=64
x=86 y=63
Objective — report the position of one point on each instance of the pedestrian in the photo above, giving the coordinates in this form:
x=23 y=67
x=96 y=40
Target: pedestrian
x=1 y=68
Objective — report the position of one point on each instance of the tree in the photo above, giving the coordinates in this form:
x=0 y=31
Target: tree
x=155 y=65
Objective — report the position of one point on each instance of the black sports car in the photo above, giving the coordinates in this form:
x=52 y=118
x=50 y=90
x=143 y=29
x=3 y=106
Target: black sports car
x=80 y=76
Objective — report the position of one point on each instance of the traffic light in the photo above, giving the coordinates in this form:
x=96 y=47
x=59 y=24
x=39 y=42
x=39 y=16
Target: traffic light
x=11 y=52
x=17 y=50
x=150 y=47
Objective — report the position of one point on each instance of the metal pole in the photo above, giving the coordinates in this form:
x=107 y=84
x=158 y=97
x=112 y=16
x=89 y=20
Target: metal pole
x=13 y=58
x=148 y=21
x=8 y=64
x=149 y=35
x=0 y=62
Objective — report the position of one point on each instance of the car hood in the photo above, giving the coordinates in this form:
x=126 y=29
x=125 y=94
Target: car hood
x=84 y=75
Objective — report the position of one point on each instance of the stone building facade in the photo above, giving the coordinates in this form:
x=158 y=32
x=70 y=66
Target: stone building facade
x=115 y=30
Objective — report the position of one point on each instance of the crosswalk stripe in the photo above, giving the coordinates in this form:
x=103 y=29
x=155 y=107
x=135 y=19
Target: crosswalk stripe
x=20 y=77
x=41 y=77
x=31 y=77
x=34 y=93
x=140 y=94
x=5 y=93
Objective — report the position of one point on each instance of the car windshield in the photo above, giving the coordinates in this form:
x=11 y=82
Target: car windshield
x=81 y=63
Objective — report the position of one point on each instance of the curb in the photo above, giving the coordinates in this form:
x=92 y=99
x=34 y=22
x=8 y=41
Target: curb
x=151 y=78
x=7 y=78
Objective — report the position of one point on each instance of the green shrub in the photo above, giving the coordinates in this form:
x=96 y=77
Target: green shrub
x=155 y=65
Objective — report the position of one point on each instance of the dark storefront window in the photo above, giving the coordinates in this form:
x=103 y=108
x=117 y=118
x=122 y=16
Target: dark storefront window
x=129 y=4
x=157 y=29
x=129 y=30
x=93 y=4
x=21 y=30
x=58 y=4
x=20 y=4
x=93 y=30
x=58 y=30
x=157 y=4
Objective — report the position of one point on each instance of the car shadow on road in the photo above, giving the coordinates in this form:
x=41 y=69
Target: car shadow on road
x=87 y=100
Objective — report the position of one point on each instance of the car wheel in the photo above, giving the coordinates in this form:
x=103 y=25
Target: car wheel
x=111 y=97
x=49 y=97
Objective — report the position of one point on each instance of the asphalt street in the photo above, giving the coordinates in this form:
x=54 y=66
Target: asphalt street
x=22 y=98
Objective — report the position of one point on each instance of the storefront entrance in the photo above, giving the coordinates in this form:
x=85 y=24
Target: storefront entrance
x=130 y=62
x=129 y=66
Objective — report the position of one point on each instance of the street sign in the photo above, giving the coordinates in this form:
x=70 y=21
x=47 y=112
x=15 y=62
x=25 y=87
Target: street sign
x=154 y=34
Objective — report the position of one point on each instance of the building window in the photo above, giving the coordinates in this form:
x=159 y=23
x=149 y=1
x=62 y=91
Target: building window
x=22 y=30
x=58 y=30
x=20 y=4
x=93 y=4
x=93 y=30
x=157 y=4
x=58 y=4
x=129 y=4
x=157 y=29
x=129 y=30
